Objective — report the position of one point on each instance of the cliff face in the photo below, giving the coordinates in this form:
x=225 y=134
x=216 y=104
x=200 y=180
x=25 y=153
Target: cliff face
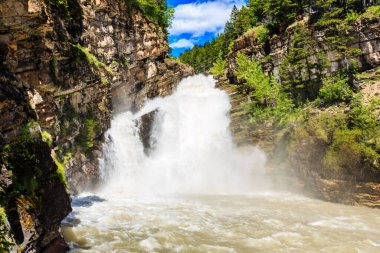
x=65 y=66
x=363 y=35
x=295 y=153
x=33 y=192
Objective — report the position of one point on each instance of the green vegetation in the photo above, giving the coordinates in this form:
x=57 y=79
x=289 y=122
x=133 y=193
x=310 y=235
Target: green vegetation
x=218 y=67
x=84 y=54
x=352 y=139
x=156 y=11
x=268 y=100
x=5 y=242
x=21 y=159
x=261 y=33
x=87 y=135
x=369 y=77
x=3 y=215
x=371 y=13
x=335 y=89
x=61 y=168
x=46 y=137
x=272 y=17
x=301 y=68
x=364 y=117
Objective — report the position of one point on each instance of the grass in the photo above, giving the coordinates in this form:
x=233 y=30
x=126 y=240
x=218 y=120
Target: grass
x=369 y=76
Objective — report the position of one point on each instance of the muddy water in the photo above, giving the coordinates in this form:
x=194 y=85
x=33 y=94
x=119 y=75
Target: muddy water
x=256 y=223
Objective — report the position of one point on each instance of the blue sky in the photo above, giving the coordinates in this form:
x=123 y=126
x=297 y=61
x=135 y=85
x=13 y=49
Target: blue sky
x=196 y=22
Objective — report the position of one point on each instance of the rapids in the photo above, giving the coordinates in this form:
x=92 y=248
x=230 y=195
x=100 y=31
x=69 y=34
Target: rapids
x=197 y=192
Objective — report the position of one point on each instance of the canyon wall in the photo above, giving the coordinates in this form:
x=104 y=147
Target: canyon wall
x=65 y=67
x=296 y=156
x=363 y=35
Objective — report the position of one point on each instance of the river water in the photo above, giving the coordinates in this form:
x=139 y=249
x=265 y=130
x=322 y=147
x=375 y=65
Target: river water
x=197 y=192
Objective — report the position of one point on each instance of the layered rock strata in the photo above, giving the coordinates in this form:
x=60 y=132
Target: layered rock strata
x=66 y=66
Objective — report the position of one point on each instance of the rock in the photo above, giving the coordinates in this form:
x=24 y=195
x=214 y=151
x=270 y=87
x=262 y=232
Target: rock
x=36 y=209
x=145 y=125
x=365 y=36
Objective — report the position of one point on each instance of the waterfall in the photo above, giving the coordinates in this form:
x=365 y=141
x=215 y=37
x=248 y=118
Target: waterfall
x=196 y=191
x=193 y=150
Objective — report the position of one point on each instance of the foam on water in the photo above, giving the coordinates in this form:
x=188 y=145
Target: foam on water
x=255 y=223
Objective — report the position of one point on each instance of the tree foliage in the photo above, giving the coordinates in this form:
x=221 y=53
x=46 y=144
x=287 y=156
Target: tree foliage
x=274 y=16
x=157 y=11
x=335 y=89
x=268 y=100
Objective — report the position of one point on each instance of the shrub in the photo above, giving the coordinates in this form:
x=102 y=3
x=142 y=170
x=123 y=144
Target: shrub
x=269 y=101
x=335 y=89
x=218 y=67
x=348 y=152
x=364 y=117
x=21 y=159
x=155 y=11
x=325 y=124
x=371 y=13
x=352 y=16
x=262 y=33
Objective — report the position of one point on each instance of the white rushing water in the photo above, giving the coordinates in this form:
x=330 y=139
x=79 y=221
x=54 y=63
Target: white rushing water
x=193 y=151
x=197 y=192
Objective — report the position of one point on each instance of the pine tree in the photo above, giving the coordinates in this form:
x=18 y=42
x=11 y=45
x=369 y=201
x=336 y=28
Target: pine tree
x=281 y=12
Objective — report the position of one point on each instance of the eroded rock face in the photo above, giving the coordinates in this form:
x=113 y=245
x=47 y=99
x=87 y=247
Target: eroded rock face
x=33 y=195
x=365 y=36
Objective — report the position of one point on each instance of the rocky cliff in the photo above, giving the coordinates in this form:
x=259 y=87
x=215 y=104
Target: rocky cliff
x=33 y=195
x=362 y=37
x=298 y=154
x=66 y=65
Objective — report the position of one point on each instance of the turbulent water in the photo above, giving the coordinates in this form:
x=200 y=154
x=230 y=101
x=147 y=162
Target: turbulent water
x=197 y=192
x=193 y=152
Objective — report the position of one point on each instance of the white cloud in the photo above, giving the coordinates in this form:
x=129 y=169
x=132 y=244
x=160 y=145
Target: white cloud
x=201 y=17
x=182 y=43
